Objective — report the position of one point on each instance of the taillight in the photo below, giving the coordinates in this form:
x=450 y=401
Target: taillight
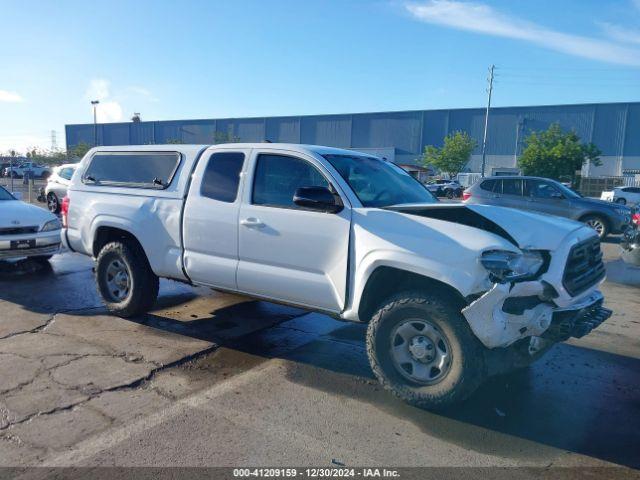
x=635 y=218
x=64 y=210
x=466 y=196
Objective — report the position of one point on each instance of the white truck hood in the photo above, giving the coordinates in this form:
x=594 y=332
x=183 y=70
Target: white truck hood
x=527 y=229
x=26 y=215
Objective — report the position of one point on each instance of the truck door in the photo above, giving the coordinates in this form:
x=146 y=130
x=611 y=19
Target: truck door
x=288 y=253
x=210 y=219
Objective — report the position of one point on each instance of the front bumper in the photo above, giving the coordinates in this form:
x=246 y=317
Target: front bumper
x=579 y=320
x=498 y=323
x=45 y=243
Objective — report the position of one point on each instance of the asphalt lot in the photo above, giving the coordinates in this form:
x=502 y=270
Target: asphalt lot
x=212 y=379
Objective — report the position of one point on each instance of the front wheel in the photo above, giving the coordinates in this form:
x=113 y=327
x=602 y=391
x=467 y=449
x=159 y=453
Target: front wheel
x=125 y=280
x=422 y=349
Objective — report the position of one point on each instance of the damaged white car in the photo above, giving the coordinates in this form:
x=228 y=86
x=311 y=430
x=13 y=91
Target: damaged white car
x=451 y=293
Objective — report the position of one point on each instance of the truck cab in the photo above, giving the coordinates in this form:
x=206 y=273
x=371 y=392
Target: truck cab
x=449 y=291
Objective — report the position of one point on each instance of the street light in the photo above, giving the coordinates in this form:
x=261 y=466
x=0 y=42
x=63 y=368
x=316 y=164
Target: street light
x=95 y=123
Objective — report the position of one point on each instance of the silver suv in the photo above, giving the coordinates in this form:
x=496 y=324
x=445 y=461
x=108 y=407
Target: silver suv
x=548 y=196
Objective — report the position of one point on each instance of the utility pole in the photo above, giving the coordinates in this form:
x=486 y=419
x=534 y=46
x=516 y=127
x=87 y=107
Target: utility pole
x=486 y=120
x=95 y=122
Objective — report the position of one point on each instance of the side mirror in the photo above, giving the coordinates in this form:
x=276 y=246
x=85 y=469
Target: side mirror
x=319 y=199
x=17 y=195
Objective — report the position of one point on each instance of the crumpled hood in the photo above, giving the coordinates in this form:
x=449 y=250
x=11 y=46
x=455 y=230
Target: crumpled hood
x=527 y=229
x=530 y=229
x=27 y=215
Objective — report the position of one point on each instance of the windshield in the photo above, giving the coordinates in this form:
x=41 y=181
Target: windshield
x=377 y=183
x=4 y=195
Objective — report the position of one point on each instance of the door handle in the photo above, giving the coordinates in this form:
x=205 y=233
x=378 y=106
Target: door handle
x=252 y=222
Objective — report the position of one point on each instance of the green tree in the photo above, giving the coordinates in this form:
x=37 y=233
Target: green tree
x=556 y=154
x=453 y=155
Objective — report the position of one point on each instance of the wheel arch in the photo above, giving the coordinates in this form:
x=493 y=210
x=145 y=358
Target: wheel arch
x=105 y=234
x=385 y=281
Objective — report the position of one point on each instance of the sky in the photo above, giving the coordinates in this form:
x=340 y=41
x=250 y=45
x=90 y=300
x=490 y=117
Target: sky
x=170 y=59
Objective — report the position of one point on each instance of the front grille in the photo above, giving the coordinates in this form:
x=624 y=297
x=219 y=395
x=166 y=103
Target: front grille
x=18 y=230
x=584 y=266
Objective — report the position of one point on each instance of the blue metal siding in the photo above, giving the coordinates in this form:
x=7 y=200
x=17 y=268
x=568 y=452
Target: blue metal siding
x=614 y=128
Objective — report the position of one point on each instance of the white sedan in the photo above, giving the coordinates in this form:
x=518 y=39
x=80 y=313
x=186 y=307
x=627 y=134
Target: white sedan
x=627 y=196
x=26 y=230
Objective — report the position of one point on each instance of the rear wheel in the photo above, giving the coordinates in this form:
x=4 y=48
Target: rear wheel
x=599 y=224
x=125 y=280
x=53 y=204
x=421 y=349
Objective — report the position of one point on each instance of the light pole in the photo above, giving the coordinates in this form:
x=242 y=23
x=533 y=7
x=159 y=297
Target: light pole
x=95 y=122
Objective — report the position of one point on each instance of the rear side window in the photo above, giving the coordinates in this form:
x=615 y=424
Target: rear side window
x=66 y=173
x=277 y=177
x=489 y=185
x=222 y=176
x=512 y=187
x=139 y=169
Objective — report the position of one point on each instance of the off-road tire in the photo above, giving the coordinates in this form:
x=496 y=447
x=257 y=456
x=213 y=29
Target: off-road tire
x=466 y=372
x=144 y=283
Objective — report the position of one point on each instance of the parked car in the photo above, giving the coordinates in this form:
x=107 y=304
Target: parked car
x=626 y=196
x=551 y=197
x=451 y=293
x=26 y=230
x=36 y=171
x=56 y=188
x=3 y=167
x=445 y=188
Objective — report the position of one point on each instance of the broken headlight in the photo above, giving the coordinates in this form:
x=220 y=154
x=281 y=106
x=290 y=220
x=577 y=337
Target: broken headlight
x=506 y=266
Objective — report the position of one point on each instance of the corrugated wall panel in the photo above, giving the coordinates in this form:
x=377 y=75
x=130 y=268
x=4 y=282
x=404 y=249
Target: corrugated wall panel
x=114 y=134
x=168 y=131
x=401 y=130
x=251 y=130
x=200 y=131
x=632 y=134
x=283 y=130
x=330 y=130
x=608 y=129
x=141 y=133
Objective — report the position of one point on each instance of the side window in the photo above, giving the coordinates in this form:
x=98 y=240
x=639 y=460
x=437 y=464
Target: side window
x=633 y=190
x=222 y=176
x=66 y=173
x=488 y=185
x=132 y=169
x=512 y=187
x=277 y=177
x=539 y=189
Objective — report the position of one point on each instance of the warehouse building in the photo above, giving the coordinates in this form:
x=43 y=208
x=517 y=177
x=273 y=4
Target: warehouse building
x=401 y=136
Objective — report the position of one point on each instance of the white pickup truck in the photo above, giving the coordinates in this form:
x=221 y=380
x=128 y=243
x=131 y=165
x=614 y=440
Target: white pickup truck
x=451 y=293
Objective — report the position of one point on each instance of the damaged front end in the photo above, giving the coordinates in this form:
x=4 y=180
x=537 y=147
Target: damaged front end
x=523 y=302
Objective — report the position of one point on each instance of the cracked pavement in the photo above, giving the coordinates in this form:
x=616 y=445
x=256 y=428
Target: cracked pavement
x=212 y=379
